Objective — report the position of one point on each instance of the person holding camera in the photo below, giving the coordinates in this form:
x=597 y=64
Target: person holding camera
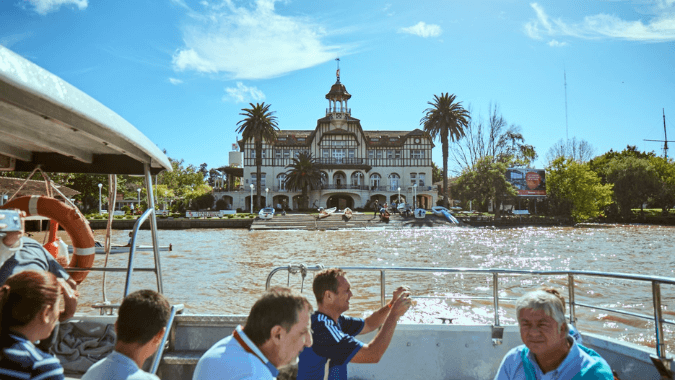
x=19 y=253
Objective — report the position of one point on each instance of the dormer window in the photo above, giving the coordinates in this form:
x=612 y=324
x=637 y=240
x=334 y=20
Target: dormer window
x=374 y=139
x=393 y=139
x=301 y=139
x=281 y=139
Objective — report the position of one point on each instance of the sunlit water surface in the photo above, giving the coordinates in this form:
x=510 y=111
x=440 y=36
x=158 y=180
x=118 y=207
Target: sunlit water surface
x=222 y=271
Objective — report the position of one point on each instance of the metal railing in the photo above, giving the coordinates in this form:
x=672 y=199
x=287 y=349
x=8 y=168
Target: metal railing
x=149 y=214
x=655 y=281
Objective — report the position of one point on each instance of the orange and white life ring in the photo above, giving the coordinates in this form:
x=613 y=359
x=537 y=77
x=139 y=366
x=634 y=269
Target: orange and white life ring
x=76 y=227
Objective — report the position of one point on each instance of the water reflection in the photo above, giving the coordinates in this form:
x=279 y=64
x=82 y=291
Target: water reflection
x=223 y=271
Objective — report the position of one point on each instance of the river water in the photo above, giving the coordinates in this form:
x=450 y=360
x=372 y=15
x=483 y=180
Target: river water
x=217 y=271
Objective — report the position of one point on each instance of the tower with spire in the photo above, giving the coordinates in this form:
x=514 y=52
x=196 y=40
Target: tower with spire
x=337 y=99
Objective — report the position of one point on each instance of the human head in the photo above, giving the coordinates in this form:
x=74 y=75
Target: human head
x=542 y=323
x=142 y=315
x=276 y=307
x=547 y=300
x=28 y=295
x=327 y=279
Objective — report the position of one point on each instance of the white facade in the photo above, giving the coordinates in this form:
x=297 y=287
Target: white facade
x=357 y=165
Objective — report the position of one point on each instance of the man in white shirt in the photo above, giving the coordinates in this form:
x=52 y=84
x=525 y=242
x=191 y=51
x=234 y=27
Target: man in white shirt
x=140 y=326
x=276 y=331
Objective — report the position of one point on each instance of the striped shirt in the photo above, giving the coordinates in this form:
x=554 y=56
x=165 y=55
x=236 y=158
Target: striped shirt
x=20 y=359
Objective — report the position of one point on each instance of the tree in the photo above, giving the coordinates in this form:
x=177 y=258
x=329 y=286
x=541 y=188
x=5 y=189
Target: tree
x=664 y=195
x=580 y=151
x=303 y=174
x=574 y=190
x=486 y=181
x=436 y=173
x=259 y=124
x=494 y=138
x=635 y=180
x=446 y=119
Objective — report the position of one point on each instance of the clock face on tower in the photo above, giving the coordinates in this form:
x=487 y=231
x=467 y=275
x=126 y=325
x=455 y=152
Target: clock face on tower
x=417 y=141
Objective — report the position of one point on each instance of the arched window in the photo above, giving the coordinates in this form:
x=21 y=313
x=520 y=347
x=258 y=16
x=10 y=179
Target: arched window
x=394 y=181
x=280 y=181
x=324 y=178
x=357 y=179
x=375 y=180
x=340 y=180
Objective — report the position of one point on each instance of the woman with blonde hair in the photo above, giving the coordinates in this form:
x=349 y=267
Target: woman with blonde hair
x=29 y=310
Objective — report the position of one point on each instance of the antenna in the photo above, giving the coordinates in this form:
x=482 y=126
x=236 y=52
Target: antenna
x=567 y=137
x=665 y=140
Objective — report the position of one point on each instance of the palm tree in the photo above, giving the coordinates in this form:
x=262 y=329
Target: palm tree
x=303 y=174
x=259 y=124
x=446 y=118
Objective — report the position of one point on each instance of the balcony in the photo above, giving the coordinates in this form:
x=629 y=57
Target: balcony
x=343 y=163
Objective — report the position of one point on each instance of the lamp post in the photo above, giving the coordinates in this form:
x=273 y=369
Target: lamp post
x=399 y=195
x=267 y=192
x=251 y=185
x=100 y=185
x=139 y=198
x=414 y=196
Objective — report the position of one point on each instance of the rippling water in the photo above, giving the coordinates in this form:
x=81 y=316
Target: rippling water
x=224 y=270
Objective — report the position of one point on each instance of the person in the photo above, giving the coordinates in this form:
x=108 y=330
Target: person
x=548 y=350
x=29 y=310
x=334 y=334
x=277 y=329
x=376 y=207
x=19 y=253
x=140 y=326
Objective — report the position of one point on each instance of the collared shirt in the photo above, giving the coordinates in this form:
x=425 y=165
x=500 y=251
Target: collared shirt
x=117 y=366
x=20 y=359
x=32 y=256
x=333 y=348
x=580 y=363
x=229 y=359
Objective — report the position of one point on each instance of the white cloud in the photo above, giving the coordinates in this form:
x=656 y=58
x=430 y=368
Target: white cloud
x=175 y=81
x=556 y=43
x=423 y=29
x=242 y=93
x=45 y=6
x=659 y=28
x=8 y=41
x=250 y=43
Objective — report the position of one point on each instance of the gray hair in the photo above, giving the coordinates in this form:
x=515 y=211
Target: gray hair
x=549 y=303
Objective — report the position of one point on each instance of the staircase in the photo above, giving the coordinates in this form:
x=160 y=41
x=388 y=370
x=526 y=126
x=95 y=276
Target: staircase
x=337 y=221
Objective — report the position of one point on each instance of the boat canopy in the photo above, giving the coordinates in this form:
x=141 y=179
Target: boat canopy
x=46 y=121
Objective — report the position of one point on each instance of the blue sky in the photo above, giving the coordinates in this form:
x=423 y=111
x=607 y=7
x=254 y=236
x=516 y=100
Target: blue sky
x=181 y=70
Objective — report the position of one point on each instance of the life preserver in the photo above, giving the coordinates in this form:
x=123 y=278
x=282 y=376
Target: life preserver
x=77 y=228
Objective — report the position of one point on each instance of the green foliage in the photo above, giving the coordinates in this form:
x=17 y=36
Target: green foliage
x=436 y=173
x=485 y=181
x=203 y=201
x=303 y=174
x=664 y=193
x=575 y=191
x=446 y=120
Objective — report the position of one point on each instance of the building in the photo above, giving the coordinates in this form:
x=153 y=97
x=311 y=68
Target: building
x=357 y=166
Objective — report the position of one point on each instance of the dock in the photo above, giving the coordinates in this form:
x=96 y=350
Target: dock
x=338 y=222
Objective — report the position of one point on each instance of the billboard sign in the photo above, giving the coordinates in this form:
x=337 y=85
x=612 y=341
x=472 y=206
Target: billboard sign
x=528 y=182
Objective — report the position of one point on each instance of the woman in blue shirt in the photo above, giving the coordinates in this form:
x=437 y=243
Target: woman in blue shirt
x=29 y=310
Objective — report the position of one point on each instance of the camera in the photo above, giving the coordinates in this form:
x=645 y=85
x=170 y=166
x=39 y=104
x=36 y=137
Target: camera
x=12 y=219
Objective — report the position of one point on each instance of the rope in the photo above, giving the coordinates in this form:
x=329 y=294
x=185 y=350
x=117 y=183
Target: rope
x=112 y=195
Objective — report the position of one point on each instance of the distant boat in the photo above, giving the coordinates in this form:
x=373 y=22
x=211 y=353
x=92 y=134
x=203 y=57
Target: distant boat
x=266 y=213
x=420 y=213
x=323 y=213
x=442 y=211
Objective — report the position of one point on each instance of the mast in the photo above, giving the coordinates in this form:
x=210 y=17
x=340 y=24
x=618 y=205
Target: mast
x=567 y=136
x=665 y=140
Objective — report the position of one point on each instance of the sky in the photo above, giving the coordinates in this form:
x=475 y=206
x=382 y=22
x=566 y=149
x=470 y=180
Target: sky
x=181 y=71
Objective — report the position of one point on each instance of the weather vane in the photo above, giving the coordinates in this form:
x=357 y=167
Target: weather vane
x=337 y=73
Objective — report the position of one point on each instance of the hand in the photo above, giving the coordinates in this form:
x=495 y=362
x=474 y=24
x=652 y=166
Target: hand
x=70 y=295
x=401 y=305
x=398 y=292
